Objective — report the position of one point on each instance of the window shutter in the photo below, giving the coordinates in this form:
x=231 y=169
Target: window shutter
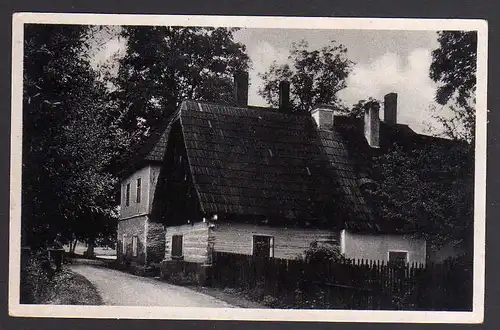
x=138 y=192
x=176 y=246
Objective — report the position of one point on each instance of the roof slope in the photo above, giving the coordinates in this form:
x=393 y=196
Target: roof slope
x=352 y=130
x=153 y=148
x=258 y=161
x=349 y=176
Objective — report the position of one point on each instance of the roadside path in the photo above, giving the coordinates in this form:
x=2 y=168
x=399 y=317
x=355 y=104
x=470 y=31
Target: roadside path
x=123 y=289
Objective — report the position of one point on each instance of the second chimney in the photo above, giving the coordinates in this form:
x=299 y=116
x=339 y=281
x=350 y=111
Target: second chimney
x=391 y=108
x=324 y=117
x=241 y=88
x=284 y=96
x=372 y=123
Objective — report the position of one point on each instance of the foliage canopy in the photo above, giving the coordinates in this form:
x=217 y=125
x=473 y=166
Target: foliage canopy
x=315 y=76
x=453 y=67
x=68 y=138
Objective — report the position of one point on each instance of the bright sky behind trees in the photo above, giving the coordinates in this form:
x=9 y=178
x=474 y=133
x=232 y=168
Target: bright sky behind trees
x=386 y=61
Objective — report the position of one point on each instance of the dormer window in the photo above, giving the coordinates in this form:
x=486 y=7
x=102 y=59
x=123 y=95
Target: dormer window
x=138 y=192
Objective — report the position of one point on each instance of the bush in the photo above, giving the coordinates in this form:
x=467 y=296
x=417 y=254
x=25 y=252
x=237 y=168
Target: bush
x=35 y=278
x=270 y=301
x=320 y=253
x=180 y=272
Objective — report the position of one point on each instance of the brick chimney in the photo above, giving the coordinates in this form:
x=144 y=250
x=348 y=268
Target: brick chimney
x=324 y=117
x=372 y=123
x=284 y=96
x=391 y=108
x=241 y=88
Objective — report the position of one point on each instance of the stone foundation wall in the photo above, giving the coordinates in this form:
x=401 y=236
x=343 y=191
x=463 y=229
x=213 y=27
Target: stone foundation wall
x=155 y=242
x=126 y=230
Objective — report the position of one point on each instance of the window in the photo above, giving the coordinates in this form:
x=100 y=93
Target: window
x=176 y=246
x=138 y=192
x=127 y=195
x=124 y=244
x=134 y=246
x=263 y=246
x=398 y=257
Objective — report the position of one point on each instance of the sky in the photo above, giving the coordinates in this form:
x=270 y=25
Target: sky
x=385 y=61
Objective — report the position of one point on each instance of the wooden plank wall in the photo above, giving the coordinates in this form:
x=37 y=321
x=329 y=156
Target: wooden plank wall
x=194 y=241
x=288 y=242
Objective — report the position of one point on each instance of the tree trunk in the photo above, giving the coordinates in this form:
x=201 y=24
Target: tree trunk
x=72 y=245
x=90 y=248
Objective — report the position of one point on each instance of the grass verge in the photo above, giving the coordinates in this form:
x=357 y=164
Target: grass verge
x=69 y=288
x=231 y=296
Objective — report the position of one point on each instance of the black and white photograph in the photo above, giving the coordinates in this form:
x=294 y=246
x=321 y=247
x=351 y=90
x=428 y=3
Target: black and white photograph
x=248 y=168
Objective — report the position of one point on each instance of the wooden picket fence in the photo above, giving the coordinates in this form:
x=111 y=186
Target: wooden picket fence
x=347 y=284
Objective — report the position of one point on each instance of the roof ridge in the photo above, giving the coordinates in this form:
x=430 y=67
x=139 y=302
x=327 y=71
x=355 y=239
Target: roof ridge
x=249 y=107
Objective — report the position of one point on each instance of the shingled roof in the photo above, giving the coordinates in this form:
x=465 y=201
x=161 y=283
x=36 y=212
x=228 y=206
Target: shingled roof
x=263 y=162
x=153 y=149
x=256 y=161
x=352 y=131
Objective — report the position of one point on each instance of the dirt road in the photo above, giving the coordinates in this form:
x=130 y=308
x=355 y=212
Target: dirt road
x=122 y=289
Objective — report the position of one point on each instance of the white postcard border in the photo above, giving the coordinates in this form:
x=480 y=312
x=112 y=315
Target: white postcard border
x=191 y=313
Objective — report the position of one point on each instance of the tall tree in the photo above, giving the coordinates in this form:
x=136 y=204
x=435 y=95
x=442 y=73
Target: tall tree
x=69 y=137
x=429 y=189
x=164 y=65
x=433 y=187
x=453 y=67
x=358 y=109
x=316 y=76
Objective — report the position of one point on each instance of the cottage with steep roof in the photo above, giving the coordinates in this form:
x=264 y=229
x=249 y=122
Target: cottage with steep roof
x=259 y=181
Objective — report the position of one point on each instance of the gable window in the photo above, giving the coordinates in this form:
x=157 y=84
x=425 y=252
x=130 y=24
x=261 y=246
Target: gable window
x=176 y=247
x=263 y=246
x=134 y=246
x=138 y=192
x=398 y=257
x=127 y=195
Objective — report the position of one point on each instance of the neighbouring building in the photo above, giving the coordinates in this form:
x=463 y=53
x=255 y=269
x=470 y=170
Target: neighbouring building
x=260 y=181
